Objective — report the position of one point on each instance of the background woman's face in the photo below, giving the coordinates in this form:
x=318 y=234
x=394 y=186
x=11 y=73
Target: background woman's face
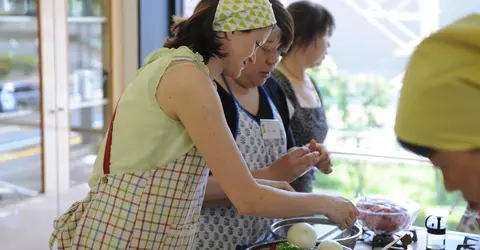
x=316 y=51
x=461 y=171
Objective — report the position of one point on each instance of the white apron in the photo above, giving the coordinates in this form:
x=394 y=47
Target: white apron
x=224 y=228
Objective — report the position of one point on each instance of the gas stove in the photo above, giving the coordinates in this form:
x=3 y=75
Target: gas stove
x=455 y=240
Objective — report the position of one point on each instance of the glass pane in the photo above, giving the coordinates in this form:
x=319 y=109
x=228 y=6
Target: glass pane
x=84 y=8
x=20 y=129
x=189 y=6
x=360 y=82
x=18 y=7
x=88 y=50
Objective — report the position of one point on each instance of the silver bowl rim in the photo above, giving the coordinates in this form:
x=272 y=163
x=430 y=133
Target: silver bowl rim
x=307 y=219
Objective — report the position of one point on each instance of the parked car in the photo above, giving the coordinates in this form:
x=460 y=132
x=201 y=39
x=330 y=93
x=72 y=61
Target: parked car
x=16 y=94
x=8 y=101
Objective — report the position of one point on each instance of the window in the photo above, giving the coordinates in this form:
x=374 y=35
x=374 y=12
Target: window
x=20 y=93
x=188 y=7
x=360 y=82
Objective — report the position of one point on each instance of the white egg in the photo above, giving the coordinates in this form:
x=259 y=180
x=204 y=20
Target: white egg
x=302 y=235
x=329 y=245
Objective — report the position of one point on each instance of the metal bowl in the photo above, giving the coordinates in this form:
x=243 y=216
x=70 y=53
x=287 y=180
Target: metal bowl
x=325 y=228
x=269 y=245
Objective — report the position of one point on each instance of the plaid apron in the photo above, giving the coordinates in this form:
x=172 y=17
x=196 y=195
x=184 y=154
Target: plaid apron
x=156 y=209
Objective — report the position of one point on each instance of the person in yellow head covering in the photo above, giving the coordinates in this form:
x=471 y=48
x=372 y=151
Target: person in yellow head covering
x=439 y=108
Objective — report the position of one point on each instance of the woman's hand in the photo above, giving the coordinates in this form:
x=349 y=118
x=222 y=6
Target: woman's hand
x=324 y=163
x=341 y=211
x=294 y=163
x=298 y=159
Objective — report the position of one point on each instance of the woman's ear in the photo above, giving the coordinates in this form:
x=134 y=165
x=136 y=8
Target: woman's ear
x=225 y=38
x=227 y=35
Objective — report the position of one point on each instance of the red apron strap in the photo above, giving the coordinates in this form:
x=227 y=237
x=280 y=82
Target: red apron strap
x=108 y=145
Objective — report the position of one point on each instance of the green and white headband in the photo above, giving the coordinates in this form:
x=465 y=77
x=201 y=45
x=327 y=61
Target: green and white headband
x=238 y=15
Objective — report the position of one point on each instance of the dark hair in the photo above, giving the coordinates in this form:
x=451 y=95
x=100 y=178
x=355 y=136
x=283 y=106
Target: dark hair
x=196 y=32
x=310 y=19
x=284 y=23
x=416 y=149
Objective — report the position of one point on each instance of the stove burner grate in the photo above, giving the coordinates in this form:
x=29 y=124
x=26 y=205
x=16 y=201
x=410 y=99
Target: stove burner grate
x=381 y=240
x=469 y=243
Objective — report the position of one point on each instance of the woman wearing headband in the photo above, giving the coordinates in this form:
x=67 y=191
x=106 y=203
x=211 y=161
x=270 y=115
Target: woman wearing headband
x=149 y=179
x=248 y=107
x=438 y=113
x=313 y=27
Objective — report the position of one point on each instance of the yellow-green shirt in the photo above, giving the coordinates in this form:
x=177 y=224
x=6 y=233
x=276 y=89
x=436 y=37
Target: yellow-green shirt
x=143 y=136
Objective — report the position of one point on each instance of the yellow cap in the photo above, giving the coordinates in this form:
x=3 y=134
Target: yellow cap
x=439 y=104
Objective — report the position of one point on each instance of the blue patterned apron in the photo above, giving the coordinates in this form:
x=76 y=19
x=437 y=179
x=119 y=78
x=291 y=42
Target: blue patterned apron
x=223 y=227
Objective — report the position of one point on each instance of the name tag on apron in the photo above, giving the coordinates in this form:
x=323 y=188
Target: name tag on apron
x=271 y=129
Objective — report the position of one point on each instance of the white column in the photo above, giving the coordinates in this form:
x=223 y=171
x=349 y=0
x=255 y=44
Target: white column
x=54 y=82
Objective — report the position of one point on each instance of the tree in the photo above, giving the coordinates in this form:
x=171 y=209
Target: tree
x=361 y=100
x=5 y=66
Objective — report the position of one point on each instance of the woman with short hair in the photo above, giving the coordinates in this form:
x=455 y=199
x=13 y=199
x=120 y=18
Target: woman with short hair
x=313 y=25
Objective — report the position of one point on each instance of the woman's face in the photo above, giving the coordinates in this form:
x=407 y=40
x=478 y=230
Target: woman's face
x=316 y=51
x=241 y=48
x=256 y=73
x=461 y=171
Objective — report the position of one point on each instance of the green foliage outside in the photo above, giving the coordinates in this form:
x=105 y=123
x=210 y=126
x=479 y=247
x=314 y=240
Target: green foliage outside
x=21 y=63
x=5 y=66
x=84 y=8
x=347 y=93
